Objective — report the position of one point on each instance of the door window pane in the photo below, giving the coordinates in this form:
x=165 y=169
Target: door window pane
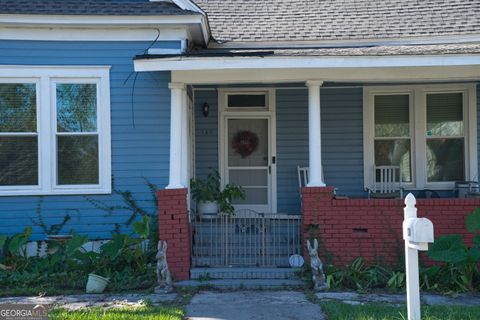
x=18 y=161
x=249 y=177
x=247 y=142
x=258 y=196
x=77 y=158
x=394 y=152
x=18 y=107
x=445 y=114
x=76 y=107
x=445 y=160
x=392 y=116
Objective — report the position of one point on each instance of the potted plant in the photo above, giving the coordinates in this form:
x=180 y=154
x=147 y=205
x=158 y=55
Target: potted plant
x=212 y=199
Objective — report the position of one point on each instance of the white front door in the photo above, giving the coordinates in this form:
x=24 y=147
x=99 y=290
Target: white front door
x=249 y=160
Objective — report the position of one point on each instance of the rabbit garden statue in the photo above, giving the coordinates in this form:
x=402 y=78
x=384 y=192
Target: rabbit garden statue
x=316 y=265
x=163 y=274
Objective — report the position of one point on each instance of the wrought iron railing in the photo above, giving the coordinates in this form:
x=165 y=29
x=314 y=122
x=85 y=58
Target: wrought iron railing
x=246 y=238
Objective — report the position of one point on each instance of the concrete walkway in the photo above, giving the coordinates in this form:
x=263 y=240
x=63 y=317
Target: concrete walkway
x=427 y=298
x=82 y=301
x=252 y=305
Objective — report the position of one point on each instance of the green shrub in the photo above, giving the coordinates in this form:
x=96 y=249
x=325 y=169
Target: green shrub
x=461 y=269
x=361 y=277
x=66 y=267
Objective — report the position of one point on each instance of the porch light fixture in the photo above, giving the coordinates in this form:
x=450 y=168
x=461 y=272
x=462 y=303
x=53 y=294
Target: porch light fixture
x=205 y=109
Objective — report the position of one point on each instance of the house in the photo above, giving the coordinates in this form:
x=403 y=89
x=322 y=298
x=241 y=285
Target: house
x=99 y=99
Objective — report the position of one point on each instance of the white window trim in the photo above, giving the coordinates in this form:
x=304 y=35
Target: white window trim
x=269 y=99
x=46 y=77
x=418 y=128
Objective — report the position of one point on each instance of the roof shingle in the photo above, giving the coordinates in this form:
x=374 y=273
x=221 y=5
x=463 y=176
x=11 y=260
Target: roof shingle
x=91 y=7
x=312 y=20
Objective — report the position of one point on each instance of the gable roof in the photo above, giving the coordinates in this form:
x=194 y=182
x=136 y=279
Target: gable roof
x=91 y=7
x=314 y=20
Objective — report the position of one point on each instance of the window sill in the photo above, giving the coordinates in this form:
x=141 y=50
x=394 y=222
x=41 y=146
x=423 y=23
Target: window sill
x=54 y=192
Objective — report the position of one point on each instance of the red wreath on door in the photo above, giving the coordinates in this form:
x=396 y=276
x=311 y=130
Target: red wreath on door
x=245 y=143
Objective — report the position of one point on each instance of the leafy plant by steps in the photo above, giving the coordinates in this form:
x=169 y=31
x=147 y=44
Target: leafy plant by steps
x=362 y=277
x=209 y=189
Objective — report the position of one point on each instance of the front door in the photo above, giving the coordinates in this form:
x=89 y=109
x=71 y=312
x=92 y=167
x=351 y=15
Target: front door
x=249 y=161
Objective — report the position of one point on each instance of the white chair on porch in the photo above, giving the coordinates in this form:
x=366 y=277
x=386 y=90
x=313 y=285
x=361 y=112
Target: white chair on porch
x=302 y=176
x=387 y=182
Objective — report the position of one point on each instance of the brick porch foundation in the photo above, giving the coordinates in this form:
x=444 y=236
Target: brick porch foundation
x=174 y=228
x=372 y=228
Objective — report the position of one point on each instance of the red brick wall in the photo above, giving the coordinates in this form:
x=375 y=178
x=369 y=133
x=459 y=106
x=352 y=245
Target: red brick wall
x=372 y=228
x=174 y=228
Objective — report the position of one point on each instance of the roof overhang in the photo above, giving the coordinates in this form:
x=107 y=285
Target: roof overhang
x=269 y=62
x=331 y=68
x=196 y=24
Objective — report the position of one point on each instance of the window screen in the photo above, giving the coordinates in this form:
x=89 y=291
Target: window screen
x=18 y=134
x=392 y=133
x=445 y=137
x=77 y=137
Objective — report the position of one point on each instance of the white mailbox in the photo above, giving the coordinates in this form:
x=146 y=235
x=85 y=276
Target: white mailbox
x=418 y=230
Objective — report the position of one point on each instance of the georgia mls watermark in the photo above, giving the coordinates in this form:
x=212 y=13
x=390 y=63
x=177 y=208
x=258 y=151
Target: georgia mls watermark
x=12 y=311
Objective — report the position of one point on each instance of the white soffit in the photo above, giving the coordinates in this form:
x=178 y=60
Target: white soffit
x=303 y=62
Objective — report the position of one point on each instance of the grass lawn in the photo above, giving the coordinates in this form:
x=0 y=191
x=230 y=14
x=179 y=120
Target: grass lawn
x=341 y=311
x=143 y=313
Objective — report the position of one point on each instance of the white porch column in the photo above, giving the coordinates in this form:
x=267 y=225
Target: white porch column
x=177 y=91
x=185 y=144
x=314 y=134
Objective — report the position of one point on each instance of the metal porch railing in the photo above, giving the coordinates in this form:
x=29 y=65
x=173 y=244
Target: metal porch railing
x=247 y=238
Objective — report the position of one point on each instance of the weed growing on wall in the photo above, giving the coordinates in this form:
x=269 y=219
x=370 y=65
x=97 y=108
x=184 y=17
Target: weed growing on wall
x=52 y=229
x=130 y=204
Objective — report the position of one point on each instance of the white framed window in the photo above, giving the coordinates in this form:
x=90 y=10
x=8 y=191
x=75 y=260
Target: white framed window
x=430 y=131
x=54 y=130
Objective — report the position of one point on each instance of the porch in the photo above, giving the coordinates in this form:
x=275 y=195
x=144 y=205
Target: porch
x=329 y=126
x=361 y=126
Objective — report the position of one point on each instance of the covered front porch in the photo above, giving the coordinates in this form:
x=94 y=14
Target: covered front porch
x=322 y=114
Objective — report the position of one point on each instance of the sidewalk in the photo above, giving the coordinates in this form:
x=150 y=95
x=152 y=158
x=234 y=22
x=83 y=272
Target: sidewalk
x=252 y=305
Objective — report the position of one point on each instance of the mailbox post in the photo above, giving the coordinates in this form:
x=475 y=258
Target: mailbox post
x=417 y=233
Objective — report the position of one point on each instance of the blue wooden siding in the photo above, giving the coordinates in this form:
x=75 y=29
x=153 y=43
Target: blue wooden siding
x=292 y=145
x=138 y=152
x=342 y=142
x=206 y=133
x=342 y=139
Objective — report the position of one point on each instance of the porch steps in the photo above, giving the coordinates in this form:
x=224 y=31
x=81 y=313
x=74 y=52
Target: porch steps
x=243 y=273
x=217 y=260
x=243 y=278
x=243 y=283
